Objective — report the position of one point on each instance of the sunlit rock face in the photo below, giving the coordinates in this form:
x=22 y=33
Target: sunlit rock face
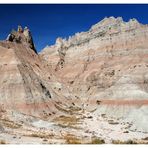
x=26 y=82
x=22 y=36
x=95 y=77
x=106 y=68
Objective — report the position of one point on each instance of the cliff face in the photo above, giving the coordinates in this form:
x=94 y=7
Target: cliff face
x=21 y=85
x=26 y=82
x=102 y=35
x=106 y=67
x=102 y=56
x=94 y=84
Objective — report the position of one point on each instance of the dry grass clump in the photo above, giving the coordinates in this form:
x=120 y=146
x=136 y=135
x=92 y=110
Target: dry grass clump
x=97 y=140
x=72 y=139
x=112 y=122
x=67 y=121
x=9 y=124
x=146 y=138
x=142 y=141
x=3 y=142
x=40 y=135
x=124 y=142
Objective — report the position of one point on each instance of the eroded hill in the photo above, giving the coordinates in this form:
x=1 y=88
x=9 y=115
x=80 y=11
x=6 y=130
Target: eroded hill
x=90 y=88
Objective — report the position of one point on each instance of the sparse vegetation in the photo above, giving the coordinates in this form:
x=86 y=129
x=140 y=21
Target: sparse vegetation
x=98 y=102
x=112 y=122
x=146 y=138
x=9 y=124
x=126 y=132
x=103 y=115
x=72 y=139
x=3 y=142
x=67 y=121
x=40 y=135
x=124 y=142
x=97 y=140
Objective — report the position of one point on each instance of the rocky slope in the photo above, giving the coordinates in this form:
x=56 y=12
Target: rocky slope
x=90 y=88
x=27 y=84
x=107 y=68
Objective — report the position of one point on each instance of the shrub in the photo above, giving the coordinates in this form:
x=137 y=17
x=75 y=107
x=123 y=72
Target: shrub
x=96 y=140
x=72 y=139
x=2 y=142
x=124 y=142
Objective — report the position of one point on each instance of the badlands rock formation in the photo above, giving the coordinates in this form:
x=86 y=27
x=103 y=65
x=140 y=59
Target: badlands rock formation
x=90 y=88
x=26 y=82
x=107 y=68
x=22 y=36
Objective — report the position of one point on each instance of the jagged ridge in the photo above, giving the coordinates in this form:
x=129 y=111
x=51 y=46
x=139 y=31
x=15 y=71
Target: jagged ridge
x=106 y=64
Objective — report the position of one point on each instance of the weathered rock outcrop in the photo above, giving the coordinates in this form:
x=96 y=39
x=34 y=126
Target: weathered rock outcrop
x=106 y=67
x=26 y=82
x=92 y=85
x=22 y=36
x=103 y=70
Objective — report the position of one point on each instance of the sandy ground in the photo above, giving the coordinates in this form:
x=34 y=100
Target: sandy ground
x=77 y=128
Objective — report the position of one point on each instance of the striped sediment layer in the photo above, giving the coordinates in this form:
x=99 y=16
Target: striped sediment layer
x=108 y=63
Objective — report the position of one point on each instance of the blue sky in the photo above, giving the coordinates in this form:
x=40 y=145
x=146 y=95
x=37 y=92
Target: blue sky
x=49 y=21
